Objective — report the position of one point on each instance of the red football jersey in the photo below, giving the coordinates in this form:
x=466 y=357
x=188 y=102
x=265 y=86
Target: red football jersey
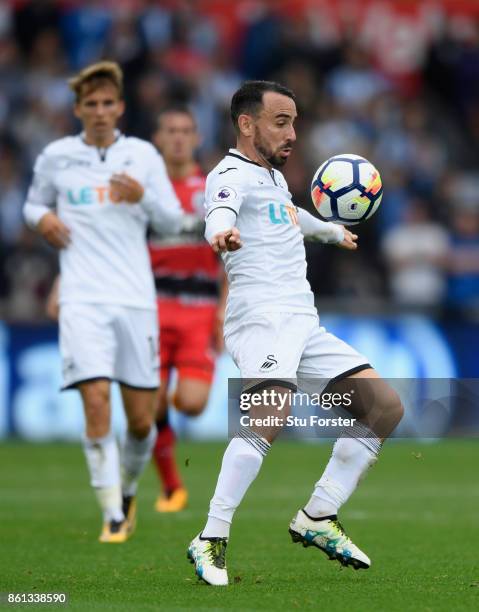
x=185 y=264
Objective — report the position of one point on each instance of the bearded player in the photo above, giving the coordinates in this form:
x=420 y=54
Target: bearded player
x=271 y=324
x=190 y=291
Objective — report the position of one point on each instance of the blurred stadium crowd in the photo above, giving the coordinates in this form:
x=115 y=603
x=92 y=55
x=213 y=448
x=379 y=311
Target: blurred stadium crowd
x=395 y=81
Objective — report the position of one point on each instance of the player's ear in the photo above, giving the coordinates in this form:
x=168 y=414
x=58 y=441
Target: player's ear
x=76 y=110
x=245 y=124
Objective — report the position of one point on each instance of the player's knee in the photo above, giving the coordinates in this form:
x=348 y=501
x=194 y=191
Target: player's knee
x=191 y=406
x=140 y=425
x=192 y=409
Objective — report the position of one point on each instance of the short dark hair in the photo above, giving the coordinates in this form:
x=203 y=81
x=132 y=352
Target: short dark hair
x=173 y=109
x=249 y=98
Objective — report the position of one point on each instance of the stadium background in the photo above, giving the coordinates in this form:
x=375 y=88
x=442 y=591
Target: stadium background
x=395 y=81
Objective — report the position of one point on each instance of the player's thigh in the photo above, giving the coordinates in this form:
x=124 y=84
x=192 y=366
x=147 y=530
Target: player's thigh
x=137 y=361
x=194 y=357
x=267 y=348
x=87 y=343
x=168 y=337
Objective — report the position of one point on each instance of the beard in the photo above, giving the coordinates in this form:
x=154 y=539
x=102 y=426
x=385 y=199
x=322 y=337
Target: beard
x=273 y=158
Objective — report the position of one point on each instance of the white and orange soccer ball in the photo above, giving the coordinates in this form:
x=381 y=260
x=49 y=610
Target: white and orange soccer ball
x=346 y=189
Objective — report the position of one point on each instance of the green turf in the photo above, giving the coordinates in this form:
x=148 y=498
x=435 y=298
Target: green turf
x=416 y=516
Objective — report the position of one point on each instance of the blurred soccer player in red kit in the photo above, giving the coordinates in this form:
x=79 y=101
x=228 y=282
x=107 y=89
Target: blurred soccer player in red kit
x=191 y=287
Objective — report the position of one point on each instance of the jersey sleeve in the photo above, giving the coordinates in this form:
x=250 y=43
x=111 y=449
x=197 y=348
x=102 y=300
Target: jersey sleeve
x=42 y=194
x=159 y=200
x=314 y=228
x=223 y=200
x=222 y=193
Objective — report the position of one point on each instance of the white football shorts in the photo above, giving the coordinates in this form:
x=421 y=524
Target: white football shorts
x=292 y=349
x=109 y=341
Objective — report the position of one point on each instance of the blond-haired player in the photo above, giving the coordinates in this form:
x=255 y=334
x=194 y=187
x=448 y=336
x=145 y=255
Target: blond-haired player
x=92 y=197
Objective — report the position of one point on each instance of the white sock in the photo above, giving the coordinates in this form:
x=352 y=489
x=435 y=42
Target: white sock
x=350 y=460
x=241 y=463
x=136 y=453
x=104 y=466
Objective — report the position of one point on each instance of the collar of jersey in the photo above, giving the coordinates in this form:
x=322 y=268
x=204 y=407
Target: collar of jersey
x=238 y=155
x=117 y=134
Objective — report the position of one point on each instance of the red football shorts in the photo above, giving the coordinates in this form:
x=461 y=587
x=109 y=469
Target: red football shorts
x=186 y=339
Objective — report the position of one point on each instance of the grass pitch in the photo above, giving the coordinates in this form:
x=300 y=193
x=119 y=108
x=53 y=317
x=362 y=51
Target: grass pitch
x=416 y=515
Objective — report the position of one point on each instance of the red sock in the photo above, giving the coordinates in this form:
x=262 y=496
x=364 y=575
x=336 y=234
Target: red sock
x=164 y=456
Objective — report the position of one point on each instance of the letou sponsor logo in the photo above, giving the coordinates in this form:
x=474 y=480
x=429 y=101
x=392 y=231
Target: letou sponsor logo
x=100 y=194
x=282 y=214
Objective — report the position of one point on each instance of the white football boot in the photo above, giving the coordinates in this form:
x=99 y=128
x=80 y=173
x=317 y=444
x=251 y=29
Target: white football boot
x=328 y=535
x=209 y=557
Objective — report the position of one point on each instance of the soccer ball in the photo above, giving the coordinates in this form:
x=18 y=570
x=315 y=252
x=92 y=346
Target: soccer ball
x=346 y=189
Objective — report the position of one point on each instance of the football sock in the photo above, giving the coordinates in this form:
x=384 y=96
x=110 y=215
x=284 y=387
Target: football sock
x=136 y=454
x=164 y=456
x=103 y=462
x=351 y=458
x=241 y=463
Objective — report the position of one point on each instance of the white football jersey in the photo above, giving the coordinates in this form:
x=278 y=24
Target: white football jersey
x=268 y=273
x=107 y=260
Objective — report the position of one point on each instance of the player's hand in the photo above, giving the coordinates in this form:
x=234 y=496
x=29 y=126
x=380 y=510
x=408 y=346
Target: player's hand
x=228 y=240
x=54 y=231
x=349 y=241
x=124 y=188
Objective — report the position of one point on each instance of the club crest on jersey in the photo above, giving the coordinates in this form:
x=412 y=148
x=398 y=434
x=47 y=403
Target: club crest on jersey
x=269 y=364
x=285 y=214
x=224 y=194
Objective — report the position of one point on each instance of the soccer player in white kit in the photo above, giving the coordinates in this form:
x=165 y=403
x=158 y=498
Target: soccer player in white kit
x=92 y=197
x=272 y=331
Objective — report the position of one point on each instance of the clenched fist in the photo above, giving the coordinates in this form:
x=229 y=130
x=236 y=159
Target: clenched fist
x=124 y=188
x=54 y=231
x=228 y=240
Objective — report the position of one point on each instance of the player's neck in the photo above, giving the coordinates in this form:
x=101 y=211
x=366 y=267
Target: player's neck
x=100 y=140
x=248 y=150
x=180 y=171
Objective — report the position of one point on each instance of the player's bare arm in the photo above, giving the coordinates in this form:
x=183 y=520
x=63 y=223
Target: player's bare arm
x=55 y=232
x=220 y=314
x=52 y=307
